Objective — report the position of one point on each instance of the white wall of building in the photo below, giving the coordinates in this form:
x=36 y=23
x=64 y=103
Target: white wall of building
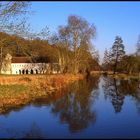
x=37 y=68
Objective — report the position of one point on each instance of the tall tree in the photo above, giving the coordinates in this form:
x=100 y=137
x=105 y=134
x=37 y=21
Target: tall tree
x=80 y=32
x=129 y=64
x=138 y=46
x=76 y=38
x=12 y=15
x=138 y=53
x=11 y=19
x=117 y=52
x=106 y=60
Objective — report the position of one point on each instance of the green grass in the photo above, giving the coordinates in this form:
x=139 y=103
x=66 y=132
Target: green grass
x=12 y=89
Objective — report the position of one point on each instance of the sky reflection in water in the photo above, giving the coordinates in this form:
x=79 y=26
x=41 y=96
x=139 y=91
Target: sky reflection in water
x=98 y=107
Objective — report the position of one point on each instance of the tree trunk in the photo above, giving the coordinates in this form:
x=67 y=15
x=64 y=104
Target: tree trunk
x=114 y=69
x=115 y=66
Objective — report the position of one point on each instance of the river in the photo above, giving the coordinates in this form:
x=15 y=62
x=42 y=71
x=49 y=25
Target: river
x=98 y=107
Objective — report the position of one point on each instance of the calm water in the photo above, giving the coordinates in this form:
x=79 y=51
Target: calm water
x=99 y=107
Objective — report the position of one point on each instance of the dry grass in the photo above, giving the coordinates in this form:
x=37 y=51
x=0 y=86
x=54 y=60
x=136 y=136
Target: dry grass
x=125 y=76
x=22 y=89
x=95 y=72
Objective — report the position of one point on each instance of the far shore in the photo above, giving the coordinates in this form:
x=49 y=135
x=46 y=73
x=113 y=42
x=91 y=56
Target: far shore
x=120 y=75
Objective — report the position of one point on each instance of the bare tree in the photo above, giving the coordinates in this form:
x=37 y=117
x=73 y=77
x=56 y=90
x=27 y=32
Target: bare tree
x=12 y=15
x=75 y=38
x=12 y=18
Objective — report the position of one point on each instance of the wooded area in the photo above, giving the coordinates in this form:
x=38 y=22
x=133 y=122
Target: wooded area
x=70 y=46
x=117 y=60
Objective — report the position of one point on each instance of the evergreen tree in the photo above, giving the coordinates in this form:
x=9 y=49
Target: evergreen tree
x=138 y=46
x=117 y=52
x=138 y=54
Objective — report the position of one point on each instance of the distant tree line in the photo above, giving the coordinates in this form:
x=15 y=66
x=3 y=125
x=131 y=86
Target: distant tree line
x=70 y=46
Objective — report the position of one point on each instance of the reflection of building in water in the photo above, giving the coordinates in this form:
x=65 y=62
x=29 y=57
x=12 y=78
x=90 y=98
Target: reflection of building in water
x=26 y=65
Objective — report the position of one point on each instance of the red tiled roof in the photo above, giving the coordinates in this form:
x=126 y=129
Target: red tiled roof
x=21 y=60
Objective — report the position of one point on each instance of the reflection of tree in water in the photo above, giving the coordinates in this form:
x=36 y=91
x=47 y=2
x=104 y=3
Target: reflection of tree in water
x=75 y=108
x=33 y=132
x=116 y=90
x=111 y=90
x=137 y=101
x=131 y=88
x=5 y=111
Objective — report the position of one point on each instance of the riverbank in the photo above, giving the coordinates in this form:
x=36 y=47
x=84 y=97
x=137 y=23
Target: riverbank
x=23 y=89
x=123 y=76
x=117 y=75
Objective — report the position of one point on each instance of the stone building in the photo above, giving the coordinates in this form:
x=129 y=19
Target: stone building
x=25 y=65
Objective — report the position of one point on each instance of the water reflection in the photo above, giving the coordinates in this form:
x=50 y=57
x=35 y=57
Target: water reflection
x=113 y=92
x=33 y=132
x=5 y=111
x=75 y=108
x=116 y=90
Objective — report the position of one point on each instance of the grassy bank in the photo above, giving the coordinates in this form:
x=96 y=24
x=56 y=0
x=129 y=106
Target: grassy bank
x=124 y=76
x=118 y=75
x=22 y=89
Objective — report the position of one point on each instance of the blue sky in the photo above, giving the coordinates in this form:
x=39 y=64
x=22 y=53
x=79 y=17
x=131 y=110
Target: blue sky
x=110 y=19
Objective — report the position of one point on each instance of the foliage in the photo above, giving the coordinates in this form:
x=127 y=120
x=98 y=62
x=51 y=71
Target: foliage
x=129 y=64
x=117 y=52
x=13 y=16
x=113 y=57
x=138 y=46
x=74 y=41
x=106 y=65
